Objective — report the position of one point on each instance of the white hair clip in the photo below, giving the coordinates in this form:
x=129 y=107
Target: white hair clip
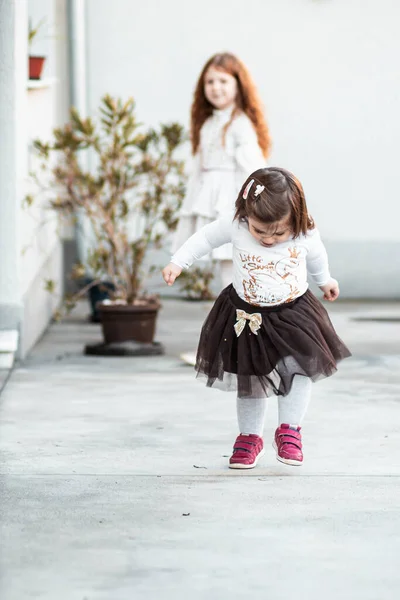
x=247 y=189
x=258 y=190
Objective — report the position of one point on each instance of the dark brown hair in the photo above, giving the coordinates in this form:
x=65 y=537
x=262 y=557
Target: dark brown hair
x=282 y=195
x=247 y=101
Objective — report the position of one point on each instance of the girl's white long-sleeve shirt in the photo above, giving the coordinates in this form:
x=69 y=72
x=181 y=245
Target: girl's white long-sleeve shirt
x=261 y=276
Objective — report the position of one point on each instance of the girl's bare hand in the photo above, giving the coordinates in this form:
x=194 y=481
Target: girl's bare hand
x=331 y=290
x=170 y=273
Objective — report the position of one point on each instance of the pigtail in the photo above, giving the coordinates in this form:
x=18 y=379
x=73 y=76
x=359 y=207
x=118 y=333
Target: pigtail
x=241 y=201
x=249 y=194
x=303 y=222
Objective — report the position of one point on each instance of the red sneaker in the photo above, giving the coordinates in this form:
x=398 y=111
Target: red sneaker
x=287 y=444
x=247 y=449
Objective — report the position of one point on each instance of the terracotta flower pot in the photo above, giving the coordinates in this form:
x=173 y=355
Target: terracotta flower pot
x=36 y=64
x=125 y=322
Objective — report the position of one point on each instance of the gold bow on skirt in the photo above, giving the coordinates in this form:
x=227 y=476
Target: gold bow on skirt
x=254 y=319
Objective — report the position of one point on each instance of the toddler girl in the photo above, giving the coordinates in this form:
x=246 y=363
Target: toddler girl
x=266 y=333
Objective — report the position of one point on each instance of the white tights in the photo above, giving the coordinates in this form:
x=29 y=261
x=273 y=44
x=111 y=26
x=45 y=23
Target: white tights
x=291 y=408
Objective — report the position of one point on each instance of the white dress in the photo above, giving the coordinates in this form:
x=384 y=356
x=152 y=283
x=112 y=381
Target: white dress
x=218 y=174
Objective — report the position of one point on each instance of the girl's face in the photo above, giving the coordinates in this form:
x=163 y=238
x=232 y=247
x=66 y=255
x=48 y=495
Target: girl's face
x=268 y=235
x=220 y=88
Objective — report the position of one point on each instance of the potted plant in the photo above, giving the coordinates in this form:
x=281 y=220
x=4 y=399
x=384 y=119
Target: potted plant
x=130 y=197
x=36 y=63
x=196 y=283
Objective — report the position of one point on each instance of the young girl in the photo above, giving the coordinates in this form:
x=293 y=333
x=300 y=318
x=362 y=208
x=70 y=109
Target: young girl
x=267 y=333
x=230 y=140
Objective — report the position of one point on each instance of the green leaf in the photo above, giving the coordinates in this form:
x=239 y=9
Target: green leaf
x=28 y=200
x=50 y=286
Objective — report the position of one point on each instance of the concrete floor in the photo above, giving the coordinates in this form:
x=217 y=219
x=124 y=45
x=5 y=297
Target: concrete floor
x=115 y=486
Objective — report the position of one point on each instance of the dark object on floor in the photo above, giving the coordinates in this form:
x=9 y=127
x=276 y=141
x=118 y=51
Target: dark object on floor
x=98 y=293
x=129 y=348
x=94 y=319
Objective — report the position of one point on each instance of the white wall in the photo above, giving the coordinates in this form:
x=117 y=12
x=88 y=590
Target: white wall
x=13 y=65
x=40 y=251
x=327 y=71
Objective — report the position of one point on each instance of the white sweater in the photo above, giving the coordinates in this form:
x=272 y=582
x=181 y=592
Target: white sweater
x=219 y=169
x=261 y=276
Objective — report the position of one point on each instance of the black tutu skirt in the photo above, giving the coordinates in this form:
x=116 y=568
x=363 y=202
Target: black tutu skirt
x=274 y=345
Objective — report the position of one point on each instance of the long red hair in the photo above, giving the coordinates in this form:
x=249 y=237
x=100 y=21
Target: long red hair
x=247 y=101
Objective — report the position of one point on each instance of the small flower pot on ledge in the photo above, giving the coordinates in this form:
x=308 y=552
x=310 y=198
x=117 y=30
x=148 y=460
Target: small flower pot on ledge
x=36 y=64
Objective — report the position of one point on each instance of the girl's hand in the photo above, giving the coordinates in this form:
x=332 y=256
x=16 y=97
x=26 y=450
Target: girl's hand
x=170 y=273
x=331 y=290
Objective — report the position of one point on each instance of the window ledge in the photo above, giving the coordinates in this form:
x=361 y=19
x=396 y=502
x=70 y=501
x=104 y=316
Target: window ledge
x=38 y=84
